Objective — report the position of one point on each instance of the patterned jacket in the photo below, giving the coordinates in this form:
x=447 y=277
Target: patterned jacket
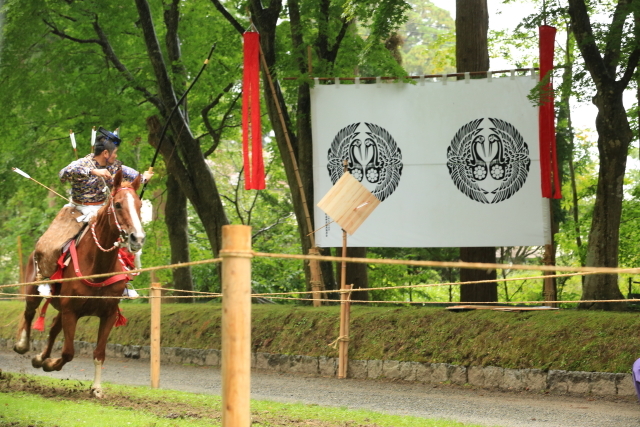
x=87 y=188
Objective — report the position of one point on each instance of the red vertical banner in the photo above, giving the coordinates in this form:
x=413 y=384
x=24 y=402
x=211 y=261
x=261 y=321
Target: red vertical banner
x=546 y=119
x=251 y=129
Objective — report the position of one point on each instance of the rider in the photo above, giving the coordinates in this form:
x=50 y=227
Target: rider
x=88 y=177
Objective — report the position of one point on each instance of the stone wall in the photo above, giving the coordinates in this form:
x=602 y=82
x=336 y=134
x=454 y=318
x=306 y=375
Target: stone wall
x=595 y=383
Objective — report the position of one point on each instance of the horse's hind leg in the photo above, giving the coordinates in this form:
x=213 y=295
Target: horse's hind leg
x=106 y=324
x=33 y=300
x=56 y=327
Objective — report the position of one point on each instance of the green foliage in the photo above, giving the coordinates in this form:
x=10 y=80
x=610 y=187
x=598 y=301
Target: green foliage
x=428 y=40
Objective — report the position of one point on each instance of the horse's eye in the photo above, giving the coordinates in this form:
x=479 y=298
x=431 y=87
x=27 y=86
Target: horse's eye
x=118 y=205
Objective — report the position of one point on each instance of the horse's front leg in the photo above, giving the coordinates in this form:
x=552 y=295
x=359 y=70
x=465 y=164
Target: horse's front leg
x=69 y=321
x=56 y=327
x=106 y=324
x=23 y=338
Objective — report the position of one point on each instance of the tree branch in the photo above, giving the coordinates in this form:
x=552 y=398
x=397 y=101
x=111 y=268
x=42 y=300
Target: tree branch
x=111 y=56
x=167 y=95
x=630 y=70
x=55 y=30
x=108 y=51
x=583 y=32
x=216 y=134
x=614 y=38
x=239 y=28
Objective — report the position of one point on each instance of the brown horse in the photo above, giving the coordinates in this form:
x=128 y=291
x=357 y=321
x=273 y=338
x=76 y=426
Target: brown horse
x=117 y=222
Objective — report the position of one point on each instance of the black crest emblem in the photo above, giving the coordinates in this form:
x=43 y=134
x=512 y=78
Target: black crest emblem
x=376 y=162
x=489 y=166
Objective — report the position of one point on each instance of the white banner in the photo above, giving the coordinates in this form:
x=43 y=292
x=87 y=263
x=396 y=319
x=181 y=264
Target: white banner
x=454 y=164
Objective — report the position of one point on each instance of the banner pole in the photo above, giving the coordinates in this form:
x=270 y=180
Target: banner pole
x=294 y=161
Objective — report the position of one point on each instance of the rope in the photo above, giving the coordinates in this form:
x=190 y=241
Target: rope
x=139 y=270
x=456 y=264
x=19 y=296
x=579 y=271
x=427 y=285
x=342 y=338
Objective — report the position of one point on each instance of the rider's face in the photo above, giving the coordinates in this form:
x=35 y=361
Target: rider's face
x=112 y=158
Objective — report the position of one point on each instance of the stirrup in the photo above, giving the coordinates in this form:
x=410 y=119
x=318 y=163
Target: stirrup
x=130 y=292
x=45 y=290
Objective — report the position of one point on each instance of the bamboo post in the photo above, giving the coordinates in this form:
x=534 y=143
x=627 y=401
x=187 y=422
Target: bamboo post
x=550 y=291
x=294 y=160
x=236 y=325
x=343 y=339
x=23 y=288
x=156 y=302
x=316 y=279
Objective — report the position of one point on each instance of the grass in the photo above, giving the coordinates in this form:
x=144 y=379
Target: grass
x=567 y=339
x=33 y=401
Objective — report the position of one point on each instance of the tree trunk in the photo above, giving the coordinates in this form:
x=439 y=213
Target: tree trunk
x=614 y=139
x=184 y=159
x=478 y=292
x=175 y=216
x=472 y=54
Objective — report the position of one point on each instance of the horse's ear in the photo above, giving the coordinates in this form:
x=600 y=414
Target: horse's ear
x=136 y=182
x=117 y=180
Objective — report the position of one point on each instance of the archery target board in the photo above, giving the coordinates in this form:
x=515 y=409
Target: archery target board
x=453 y=164
x=349 y=203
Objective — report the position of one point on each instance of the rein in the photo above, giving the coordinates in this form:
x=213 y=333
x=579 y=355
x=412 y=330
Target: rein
x=118 y=243
x=76 y=268
x=111 y=210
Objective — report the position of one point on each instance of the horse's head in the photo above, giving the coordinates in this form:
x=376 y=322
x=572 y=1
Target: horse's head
x=126 y=204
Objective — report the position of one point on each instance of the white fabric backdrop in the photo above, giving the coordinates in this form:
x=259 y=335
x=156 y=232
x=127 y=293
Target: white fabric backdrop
x=427 y=209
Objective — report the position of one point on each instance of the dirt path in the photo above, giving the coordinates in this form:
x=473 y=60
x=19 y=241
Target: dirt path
x=491 y=408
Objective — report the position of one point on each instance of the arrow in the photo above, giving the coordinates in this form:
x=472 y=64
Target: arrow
x=26 y=175
x=73 y=142
x=93 y=137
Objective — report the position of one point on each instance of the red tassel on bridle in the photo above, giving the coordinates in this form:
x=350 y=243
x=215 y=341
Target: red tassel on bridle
x=546 y=119
x=251 y=129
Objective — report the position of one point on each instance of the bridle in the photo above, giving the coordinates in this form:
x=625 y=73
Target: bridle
x=123 y=238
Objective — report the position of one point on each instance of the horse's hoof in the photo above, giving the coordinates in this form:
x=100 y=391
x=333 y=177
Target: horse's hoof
x=36 y=362
x=97 y=393
x=47 y=365
x=21 y=349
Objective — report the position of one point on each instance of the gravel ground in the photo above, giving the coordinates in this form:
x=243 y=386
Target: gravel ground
x=490 y=408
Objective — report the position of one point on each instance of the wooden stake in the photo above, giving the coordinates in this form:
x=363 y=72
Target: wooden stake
x=156 y=303
x=343 y=343
x=23 y=289
x=236 y=325
x=316 y=279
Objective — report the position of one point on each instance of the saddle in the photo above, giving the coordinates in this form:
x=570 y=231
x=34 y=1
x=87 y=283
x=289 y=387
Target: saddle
x=63 y=228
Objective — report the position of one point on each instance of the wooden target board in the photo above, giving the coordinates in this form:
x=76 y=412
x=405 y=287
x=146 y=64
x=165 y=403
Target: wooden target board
x=348 y=203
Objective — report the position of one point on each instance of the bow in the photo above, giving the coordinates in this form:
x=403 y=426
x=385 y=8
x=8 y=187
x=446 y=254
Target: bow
x=175 y=108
